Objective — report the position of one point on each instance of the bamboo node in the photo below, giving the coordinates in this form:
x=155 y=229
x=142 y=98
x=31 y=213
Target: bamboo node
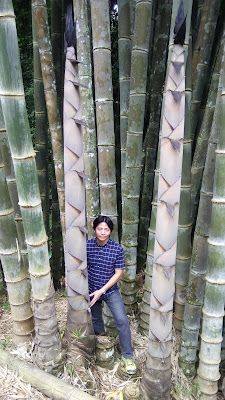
x=211 y=315
x=210 y=340
x=8 y=211
x=26 y=205
x=215 y=281
x=39 y=275
x=11 y=94
x=24 y=158
x=215 y=243
x=36 y=244
x=218 y=200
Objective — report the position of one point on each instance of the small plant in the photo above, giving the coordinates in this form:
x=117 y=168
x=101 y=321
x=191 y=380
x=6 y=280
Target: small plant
x=77 y=333
x=4 y=343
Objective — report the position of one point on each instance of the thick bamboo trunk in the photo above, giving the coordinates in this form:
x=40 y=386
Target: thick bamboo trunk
x=48 y=75
x=14 y=264
x=83 y=45
x=196 y=285
x=199 y=157
x=157 y=377
x=124 y=53
x=104 y=108
x=202 y=56
x=47 y=340
x=49 y=385
x=134 y=154
x=41 y=130
x=157 y=78
x=213 y=308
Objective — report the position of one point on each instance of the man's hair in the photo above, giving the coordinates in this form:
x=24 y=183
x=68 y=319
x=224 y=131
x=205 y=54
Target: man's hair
x=103 y=218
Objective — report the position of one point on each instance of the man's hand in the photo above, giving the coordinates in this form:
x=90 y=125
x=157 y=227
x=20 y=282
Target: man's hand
x=97 y=294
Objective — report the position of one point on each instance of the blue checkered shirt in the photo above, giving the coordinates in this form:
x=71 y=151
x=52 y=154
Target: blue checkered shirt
x=101 y=263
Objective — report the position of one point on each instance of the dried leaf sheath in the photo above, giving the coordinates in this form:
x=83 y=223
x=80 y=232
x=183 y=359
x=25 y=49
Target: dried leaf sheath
x=163 y=277
x=78 y=317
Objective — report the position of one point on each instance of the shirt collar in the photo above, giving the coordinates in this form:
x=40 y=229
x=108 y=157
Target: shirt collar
x=104 y=245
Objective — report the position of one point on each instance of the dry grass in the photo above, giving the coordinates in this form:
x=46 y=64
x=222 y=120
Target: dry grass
x=102 y=383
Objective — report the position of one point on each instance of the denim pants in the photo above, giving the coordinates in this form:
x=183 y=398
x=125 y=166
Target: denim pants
x=116 y=306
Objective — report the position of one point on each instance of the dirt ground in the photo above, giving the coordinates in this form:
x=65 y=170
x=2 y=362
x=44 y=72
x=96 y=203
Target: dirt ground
x=105 y=384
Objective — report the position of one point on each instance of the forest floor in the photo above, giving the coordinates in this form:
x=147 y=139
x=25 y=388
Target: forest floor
x=105 y=384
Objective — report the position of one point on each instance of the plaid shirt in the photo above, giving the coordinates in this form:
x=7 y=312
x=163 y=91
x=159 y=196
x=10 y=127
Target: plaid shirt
x=101 y=263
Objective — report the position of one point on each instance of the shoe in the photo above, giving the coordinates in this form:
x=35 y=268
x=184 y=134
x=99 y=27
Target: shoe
x=128 y=365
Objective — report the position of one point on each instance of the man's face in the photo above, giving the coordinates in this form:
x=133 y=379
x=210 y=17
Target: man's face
x=102 y=233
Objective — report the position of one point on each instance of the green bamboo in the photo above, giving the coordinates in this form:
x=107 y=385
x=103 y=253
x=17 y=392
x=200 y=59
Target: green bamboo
x=213 y=308
x=83 y=45
x=48 y=75
x=57 y=42
x=124 y=54
x=157 y=376
x=14 y=263
x=202 y=56
x=196 y=285
x=198 y=162
x=130 y=206
x=41 y=129
x=156 y=81
x=47 y=341
x=104 y=108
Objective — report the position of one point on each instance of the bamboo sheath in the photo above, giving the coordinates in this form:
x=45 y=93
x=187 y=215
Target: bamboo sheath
x=47 y=341
x=87 y=111
x=158 y=373
x=213 y=309
x=47 y=384
x=78 y=316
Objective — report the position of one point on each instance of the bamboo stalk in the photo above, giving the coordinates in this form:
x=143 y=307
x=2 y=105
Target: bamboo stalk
x=202 y=56
x=15 y=266
x=49 y=385
x=45 y=50
x=47 y=349
x=156 y=81
x=213 y=308
x=104 y=108
x=130 y=206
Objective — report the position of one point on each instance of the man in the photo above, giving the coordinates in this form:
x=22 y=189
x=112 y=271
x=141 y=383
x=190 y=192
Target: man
x=105 y=261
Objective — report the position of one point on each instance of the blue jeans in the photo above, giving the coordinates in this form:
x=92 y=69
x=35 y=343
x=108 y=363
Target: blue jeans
x=116 y=306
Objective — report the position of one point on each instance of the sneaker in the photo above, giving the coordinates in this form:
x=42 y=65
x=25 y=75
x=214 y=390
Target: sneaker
x=128 y=365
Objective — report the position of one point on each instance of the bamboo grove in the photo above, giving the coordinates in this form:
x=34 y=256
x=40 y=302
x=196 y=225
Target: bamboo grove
x=127 y=121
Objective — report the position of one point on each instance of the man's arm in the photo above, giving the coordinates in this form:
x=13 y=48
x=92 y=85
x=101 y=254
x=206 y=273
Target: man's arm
x=112 y=281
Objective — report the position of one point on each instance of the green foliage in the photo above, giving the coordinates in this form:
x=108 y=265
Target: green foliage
x=4 y=343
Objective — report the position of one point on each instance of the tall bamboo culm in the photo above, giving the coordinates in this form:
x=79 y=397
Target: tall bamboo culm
x=124 y=50
x=14 y=264
x=134 y=145
x=83 y=46
x=157 y=376
x=47 y=350
x=214 y=299
x=104 y=109
x=48 y=75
